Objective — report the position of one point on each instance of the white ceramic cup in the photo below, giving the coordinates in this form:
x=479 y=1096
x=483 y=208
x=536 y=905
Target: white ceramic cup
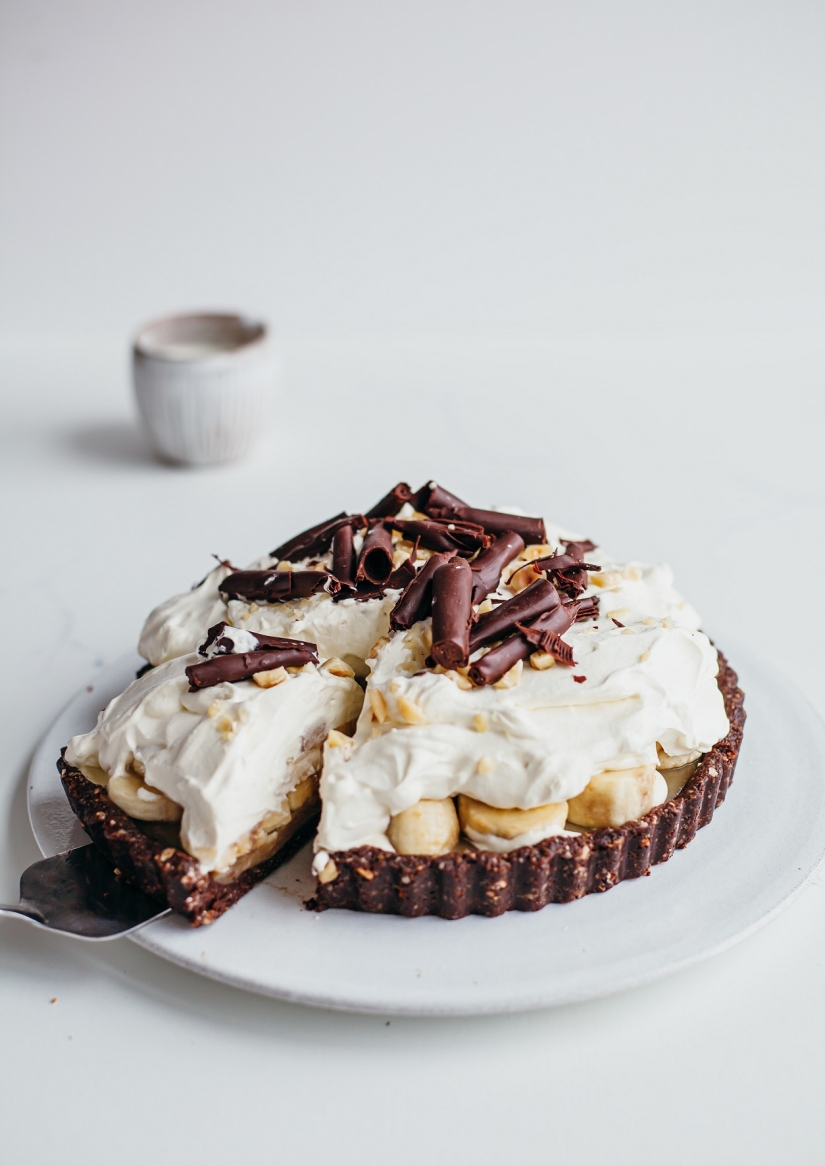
x=205 y=385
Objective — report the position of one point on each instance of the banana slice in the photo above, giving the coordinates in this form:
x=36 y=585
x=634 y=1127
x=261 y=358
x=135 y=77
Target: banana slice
x=677 y=760
x=477 y=818
x=428 y=827
x=140 y=801
x=302 y=792
x=617 y=796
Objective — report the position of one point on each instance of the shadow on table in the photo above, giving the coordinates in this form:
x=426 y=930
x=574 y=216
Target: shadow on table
x=111 y=443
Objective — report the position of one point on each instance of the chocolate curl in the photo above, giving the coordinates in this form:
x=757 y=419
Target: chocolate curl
x=580 y=548
x=545 y=633
x=397 y=581
x=495 y=521
x=452 y=613
x=402 y=576
x=499 y=660
x=391 y=503
x=375 y=561
x=569 y=571
x=488 y=566
x=317 y=539
x=277 y=586
x=464 y=537
x=244 y=665
x=343 y=557
x=585 y=608
x=434 y=495
x=539 y=597
x=225 y=645
x=417 y=600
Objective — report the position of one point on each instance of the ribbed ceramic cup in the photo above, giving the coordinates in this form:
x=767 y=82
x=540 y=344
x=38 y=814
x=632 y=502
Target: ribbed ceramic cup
x=205 y=385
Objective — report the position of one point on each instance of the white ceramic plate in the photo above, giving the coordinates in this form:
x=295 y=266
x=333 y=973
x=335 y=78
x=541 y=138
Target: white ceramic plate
x=756 y=854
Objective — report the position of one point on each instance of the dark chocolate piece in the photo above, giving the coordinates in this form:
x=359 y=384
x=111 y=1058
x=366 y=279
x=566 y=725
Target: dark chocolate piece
x=496 y=624
x=569 y=571
x=585 y=608
x=416 y=602
x=403 y=575
x=452 y=613
x=493 y=664
x=545 y=633
x=244 y=665
x=433 y=495
x=563 y=563
x=488 y=566
x=224 y=645
x=375 y=560
x=391 y=503
x=494 y=521
x=558 y=870
x=397 y=581
x=317 y=539
x=343 y=556
x=464 y=537
x=277 y=586
x=579 y=548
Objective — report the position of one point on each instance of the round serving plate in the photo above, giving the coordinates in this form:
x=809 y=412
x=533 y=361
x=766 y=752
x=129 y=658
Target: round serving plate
x=756 y=854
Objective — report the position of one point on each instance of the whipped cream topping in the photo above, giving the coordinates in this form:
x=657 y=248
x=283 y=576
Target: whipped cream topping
x=425 y=734
x=227 y=754
x=422 y=734
x=347 y=629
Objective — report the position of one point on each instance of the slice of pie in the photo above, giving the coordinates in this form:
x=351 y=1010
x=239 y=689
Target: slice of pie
x=539 y=721
x=203 y=775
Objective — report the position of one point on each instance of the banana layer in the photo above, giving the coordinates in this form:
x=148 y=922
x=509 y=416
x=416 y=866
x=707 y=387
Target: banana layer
x=224 y=759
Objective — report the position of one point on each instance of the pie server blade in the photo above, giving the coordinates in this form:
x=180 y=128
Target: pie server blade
x=79 y=893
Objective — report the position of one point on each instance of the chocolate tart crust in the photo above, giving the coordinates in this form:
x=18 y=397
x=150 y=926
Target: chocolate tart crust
x=165 y=872
x=557 y=870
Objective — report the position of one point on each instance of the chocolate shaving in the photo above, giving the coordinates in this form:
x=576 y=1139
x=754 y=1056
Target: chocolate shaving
x=391 y=503
x=464 y=537
x=580 y=548
x=277 y=586
x=539 y=597
x=375 y=560
x=617 y=622
x=585 y=608
x=317 y=539
x=402 y=576
x=569 y=571
x=545 y=633
x=563 y=563
x=490 y=563
x=343 y=557
x=416 y=602
x=244 y=665
x=452 y=613
x=224 y=645
x=433 y=495
x=494 y=521
x=499 y=660
x=397 y=581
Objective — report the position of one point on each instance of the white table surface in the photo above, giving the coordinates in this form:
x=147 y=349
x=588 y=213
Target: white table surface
x=639 y=353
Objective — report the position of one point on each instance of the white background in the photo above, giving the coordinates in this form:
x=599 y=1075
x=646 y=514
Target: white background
x=569 y=256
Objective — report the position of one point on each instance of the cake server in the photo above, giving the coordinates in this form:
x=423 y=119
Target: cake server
x=78 y=892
